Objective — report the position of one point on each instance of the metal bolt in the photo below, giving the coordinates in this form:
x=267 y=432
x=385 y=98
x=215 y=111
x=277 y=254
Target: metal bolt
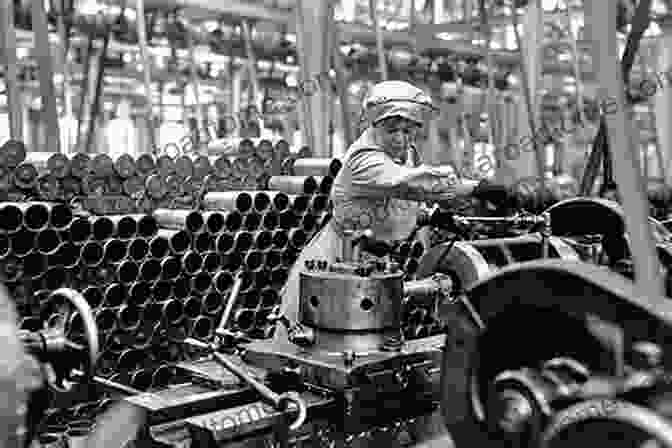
x=515 y=410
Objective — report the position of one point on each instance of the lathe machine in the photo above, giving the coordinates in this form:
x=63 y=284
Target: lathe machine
x=529 y=352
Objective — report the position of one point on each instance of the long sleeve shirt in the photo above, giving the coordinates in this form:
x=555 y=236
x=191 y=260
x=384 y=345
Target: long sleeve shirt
x=373 y=191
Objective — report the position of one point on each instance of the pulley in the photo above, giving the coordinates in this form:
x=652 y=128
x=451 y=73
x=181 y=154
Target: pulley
x=520 y=402
x=68 y=343
x=633 y=425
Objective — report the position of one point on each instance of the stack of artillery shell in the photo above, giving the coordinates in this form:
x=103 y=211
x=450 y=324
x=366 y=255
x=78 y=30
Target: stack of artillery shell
x=138 y=185
x=262 y=239
x=155 y=279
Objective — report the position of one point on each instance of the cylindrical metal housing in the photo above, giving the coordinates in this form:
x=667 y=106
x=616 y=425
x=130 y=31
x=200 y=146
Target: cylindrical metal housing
x=189 y=220
x=337 y=301
x=293 y=184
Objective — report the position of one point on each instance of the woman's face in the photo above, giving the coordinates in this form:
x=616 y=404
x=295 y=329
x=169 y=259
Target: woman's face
x=396 y=134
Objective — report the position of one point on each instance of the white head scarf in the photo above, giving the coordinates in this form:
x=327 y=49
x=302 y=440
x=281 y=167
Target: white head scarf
x=398 y=99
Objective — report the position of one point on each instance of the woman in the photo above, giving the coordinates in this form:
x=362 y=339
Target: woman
x=382 y=184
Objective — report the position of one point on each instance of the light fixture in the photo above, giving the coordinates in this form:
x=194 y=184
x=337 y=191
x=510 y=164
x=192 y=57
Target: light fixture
x=89 y=7
x=653 y=30
x=290 y=80
x=120 y=132
x=211 y=25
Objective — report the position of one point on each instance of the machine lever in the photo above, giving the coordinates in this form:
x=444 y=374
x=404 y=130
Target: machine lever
x=368 y=243
x=296 y=333
x=280 y=402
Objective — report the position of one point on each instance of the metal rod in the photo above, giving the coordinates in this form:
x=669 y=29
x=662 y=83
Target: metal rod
x=251 y=61
x=46 y=73
x=189 y=220
x=528 y=95
x=302 y=49
x=229 y=200
x=626 y=166
x=230 y=302
x=9 y=61
x=147 y=74
x=294 y=184
x=380 y=44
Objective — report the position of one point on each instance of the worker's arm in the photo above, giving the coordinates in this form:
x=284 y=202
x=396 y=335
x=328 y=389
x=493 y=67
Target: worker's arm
x=374 y=174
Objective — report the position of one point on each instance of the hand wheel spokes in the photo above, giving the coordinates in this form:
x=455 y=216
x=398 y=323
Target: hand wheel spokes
x=71 y=337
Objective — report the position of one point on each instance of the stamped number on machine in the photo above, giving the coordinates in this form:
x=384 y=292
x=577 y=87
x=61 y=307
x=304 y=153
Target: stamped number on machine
x=231 y=422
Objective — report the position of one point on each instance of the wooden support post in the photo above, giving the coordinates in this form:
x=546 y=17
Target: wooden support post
x=438 y=12
x=329 y=45
x=46 y=75
x=530 y=71
x=160 y=88
x=601 y=23
x=575 y=62
x=251 y=62
x=146 y=73
x=236 y=93
x=380 y=45
x=8 y=51
x=65 y=66
x=662 y=102
x=193 y=77
x=342 y=88
x=311 y=39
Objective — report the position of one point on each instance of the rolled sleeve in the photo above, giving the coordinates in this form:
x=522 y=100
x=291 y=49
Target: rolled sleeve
x=375 y=174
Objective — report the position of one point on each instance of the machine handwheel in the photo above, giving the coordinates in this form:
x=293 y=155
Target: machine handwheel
x=606 y=422
x=515 y=398
x=70 y=338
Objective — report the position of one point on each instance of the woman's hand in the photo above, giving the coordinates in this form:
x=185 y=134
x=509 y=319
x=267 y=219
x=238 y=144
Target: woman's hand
x=496 y=194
